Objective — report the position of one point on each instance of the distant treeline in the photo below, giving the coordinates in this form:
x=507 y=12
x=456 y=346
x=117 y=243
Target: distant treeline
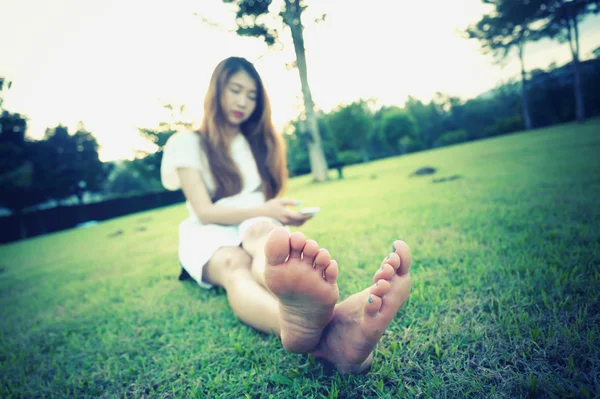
x=358 y=132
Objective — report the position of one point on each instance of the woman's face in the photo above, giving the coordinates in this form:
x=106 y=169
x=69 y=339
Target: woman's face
x=238 y=99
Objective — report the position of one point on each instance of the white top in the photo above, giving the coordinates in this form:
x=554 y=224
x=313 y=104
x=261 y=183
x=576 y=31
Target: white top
x=183 y=150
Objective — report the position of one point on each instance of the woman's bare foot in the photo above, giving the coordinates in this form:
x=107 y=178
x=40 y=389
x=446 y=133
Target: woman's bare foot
x=359 y=322
x=303 y=277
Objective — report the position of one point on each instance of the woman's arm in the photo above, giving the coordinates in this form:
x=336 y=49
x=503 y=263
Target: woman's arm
x=196 y=193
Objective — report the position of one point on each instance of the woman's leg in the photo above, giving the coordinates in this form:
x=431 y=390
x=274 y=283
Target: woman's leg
x=229 y=268
x=254 y=243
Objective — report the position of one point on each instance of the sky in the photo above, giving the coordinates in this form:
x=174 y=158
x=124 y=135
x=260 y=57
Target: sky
x=112 y=63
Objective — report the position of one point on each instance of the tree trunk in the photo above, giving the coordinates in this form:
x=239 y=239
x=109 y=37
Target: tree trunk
x=318 y=164
x=574 y=46
x=579 y=104
x=524 y=101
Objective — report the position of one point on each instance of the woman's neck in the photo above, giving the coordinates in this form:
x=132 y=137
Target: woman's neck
x=231 y=131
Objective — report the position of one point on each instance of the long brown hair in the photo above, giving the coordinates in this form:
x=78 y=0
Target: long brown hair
x=267 y=146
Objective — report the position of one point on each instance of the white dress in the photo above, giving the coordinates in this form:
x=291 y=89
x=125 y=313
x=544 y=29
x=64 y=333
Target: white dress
x=198 y=241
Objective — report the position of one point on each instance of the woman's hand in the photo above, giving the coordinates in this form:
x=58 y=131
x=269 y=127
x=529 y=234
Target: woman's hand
x=276 y=209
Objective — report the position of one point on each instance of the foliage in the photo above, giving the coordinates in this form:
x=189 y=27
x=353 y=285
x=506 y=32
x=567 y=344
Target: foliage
x=3 y=84
x=349 y=157
x=69 y=164
x=509 y=25
x=297 y=148
x=560 y=18
x=454 y=137
x=430 y=118
x=129 y=177
x=175 y=121
x=561 y=21
x=16 y=172
x=551 y=93
x=147 y=164
x=396 y=128
x=17 y=189
x=351 y=125
x=59 y=166
x=250 y=18
x=504 y=126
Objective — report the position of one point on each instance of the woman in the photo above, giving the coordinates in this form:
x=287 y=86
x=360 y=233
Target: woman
x=231 y=171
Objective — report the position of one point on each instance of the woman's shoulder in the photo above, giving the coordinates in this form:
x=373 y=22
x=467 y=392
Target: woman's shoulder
x=184 y=138
x=183 y=148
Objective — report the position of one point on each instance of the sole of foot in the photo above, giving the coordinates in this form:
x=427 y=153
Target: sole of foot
x=304 y=279
x=359 y=322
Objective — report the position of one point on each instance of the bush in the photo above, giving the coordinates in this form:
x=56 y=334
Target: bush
x=453 y=137
x=408 y=144
x=505 y=125
x=350 y=125
x=349 y=157
x=397 y=125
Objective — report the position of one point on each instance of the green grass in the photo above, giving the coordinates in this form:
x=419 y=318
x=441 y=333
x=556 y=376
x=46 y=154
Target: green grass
x=505 y=298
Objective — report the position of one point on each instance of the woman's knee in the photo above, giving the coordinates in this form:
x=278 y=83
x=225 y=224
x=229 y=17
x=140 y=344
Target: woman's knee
x=236 y=259
x=226 y=262
x=258 y=231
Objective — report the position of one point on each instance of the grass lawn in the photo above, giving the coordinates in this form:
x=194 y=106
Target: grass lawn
x=505 y=298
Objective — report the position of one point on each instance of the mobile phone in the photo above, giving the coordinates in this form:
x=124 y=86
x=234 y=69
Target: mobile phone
x=310 y=211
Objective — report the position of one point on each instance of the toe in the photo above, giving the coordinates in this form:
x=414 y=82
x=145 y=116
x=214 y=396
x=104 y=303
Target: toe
x=403 y=251
x=297 y=241
x=372 y=304
x=331 y=272
x=310 y=251
x=322 y=259
x=385 y=272
x=393 y=260
x=399 y=293
x=277 y=246
x=380 y=288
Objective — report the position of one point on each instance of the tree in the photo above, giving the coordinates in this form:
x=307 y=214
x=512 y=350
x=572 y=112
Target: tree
x=159 y=136
x=251 y=20
x=509 y=25
x=16 y=168
x=351 y=126
x=378 y=147
x=148 y=164
x=128 y=177
x=297 y=154
x=399 y=131
x=2 y=83
x=561 y=20
x=92 y=171
x=429 y=117
x=295 y=135
x=68 y=164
